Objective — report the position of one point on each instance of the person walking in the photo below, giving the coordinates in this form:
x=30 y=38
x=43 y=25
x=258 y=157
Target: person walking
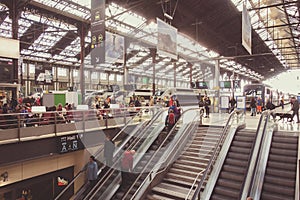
x=253 y=106
x=109 y=148
x=232 y=104
x=295 y=109
x=207 y=103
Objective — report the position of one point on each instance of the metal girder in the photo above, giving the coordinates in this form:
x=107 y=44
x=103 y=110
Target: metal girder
x=31 y=34
x=63 y=43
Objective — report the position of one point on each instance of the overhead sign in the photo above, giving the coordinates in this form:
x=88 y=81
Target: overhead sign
x=43 y=74
x=69 y=143
x=9 y=48
x=97 y=31
x=246 y=30
x=166 y=39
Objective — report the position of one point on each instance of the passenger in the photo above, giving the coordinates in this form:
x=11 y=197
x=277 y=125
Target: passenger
x=91 y=171
x=207 y=103
x=232 y=104
x=295 y=109
x=249 y=198
x=253 y=106
x=282 y=102
x=259 y=105
x=109 y=148
x=126 y=168
x=171 y=120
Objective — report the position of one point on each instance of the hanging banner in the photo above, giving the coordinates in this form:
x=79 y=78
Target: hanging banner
x=114 y=48
x=166 y=39
x=97 y=31
x=246 y=30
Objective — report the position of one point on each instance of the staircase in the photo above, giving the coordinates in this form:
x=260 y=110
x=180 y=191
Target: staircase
x=280 y=176
x=194 y=159
x=232 y=175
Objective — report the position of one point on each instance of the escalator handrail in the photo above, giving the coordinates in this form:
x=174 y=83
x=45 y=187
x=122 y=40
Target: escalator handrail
x=171 y=151
x=98 y=152
x=109 y=173
x=196 y=195
x=257 y=141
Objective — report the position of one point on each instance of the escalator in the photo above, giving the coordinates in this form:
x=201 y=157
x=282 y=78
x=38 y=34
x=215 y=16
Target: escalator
x=233 y=172
x=280 y=176
x=146 y=139
x=194 y=158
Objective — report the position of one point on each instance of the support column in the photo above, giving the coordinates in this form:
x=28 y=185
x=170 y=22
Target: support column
x=82 y=29
x=153 y=55
x=174 y=67
x=191 y=73
x=217 y=86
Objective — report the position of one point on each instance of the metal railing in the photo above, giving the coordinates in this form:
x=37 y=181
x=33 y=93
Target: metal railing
x=156 y=112
x=16 y=127
x=237 y=114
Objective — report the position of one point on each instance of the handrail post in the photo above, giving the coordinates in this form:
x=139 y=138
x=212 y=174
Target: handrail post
x=55 y=124
x=19 y=127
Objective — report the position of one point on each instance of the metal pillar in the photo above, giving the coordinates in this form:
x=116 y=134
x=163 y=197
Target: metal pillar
x=82 y=33
x=216 y=85
x=153 y=55
x=174 y=67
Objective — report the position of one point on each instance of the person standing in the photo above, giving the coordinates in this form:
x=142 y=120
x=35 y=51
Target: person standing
x=109 y=148
x=295 y=109
x=253 y=106
x=282 y=102
x=91 y=171
x=259 y=105
x=207 y=103
x=127 y=168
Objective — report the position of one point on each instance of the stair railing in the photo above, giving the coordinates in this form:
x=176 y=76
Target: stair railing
x=235 y=116
x=100 y=150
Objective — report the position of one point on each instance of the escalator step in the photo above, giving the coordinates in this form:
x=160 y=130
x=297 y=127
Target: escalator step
x=240 y=150
x=274 y=196
x=280 y=173
x=230 y=184
x=282 y=165
x=282 y=158
x=237 y=156
x=225 y=192
x=234 y=169
x=284 y=152
x=220 y=197
x=280 y=181
x=286 y=146
x=243 y=138
x=275 y=189
x=237 y=163
x=231 y=176
x=285 y=139
x=242 y=144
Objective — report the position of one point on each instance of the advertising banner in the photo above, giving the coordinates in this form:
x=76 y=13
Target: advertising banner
x=246 y=30
x=166 y=39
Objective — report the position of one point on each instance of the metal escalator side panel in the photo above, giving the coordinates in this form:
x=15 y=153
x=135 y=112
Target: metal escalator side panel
x=147 y=137
x=219 y=164
x=258 y=165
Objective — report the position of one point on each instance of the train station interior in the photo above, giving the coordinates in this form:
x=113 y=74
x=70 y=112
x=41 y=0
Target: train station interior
x=149 y=100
